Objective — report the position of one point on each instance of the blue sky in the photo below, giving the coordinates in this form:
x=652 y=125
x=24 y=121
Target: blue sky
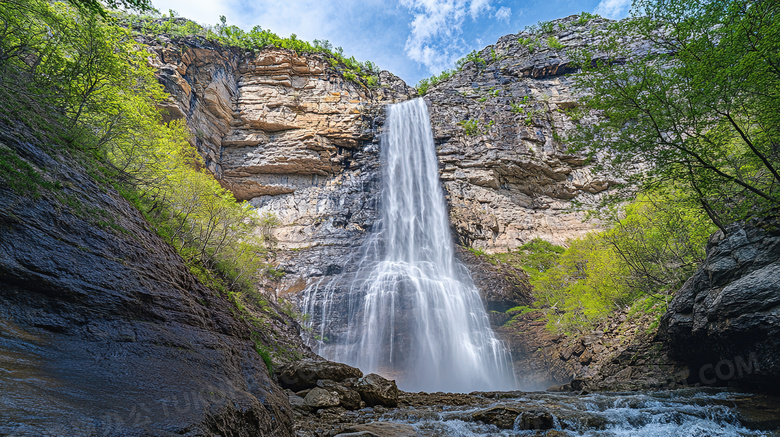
x=411 y=38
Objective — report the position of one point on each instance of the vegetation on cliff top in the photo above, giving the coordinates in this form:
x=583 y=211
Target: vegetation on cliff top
x=364 y=73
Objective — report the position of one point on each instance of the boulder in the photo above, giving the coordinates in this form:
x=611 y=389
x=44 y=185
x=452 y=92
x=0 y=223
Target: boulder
x=348 y=398
x=382 y=429
x=535 y=419
x=376 y=390
x=321 y=398
x=304 y=374
x=298 y=403
x=502 y=417
x=724 y=322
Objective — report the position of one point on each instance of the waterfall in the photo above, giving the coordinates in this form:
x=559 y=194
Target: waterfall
x=411 y=311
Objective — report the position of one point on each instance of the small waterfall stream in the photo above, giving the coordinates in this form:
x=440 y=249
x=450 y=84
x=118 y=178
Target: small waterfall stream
x=413 y=312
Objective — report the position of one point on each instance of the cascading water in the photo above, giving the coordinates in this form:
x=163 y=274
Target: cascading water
x=412 y=312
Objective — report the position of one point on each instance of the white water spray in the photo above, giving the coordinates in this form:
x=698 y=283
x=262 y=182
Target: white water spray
x=412 y=313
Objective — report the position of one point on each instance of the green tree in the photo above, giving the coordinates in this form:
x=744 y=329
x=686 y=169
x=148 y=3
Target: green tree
x=701 y=110
x=97 y=6
x=650 y=248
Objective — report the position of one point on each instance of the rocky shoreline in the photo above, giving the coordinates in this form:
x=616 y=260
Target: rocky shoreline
x=345 y=403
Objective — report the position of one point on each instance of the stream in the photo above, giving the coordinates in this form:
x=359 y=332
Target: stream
x=684 y=412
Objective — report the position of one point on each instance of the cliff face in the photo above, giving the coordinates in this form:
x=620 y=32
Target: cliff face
x=497 y=124
x=292 y=136
x=289 y=134
x=104 y=331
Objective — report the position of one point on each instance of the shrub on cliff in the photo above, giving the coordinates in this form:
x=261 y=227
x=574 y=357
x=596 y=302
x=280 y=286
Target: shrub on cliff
x=652 y=246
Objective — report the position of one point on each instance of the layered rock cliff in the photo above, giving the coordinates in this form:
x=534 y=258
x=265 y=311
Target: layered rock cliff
x=292 y=136
x=498 y=124
x=289 y=134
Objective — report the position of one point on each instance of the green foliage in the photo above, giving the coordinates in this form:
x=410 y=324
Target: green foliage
x=97 y=7
x=531 y=43
x=94 y=80
x=546 y=26
x=661 y=240
x=584 y=18
x=470 y=127
x=701 y=110
x=476 y=251
x=576 y=113
x=471 y=57
x=553 y=43
x=653 y=246
x=266 y=356
x=520 y=310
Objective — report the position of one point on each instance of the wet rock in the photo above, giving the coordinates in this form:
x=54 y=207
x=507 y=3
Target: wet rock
x=111 y=328
x=321 y=398
x=502 y=417
x=304 y=374
x=535 y=419
x=376 y=390
x=384 y=429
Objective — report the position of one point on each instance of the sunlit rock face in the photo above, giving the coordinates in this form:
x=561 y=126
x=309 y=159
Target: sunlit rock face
x=290 y=135
x=498 y=127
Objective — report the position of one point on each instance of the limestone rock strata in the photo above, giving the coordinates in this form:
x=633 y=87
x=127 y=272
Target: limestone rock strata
x=498 y=126
x=724 y=322
x=289 y=134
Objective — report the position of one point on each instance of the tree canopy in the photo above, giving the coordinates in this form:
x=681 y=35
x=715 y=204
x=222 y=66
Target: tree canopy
x=699 y=111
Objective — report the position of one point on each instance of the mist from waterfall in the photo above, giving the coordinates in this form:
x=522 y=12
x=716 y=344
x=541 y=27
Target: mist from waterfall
x=413 y=312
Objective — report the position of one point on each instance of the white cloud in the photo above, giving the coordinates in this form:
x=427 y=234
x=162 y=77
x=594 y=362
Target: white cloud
x=504 y=14
x=477 y=7
x=436 y=26
x=614 y=9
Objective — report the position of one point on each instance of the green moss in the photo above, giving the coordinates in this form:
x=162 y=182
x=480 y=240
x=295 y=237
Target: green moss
x=266 y=356
x=520 y=310
x=477 y=252
x=20 y=176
